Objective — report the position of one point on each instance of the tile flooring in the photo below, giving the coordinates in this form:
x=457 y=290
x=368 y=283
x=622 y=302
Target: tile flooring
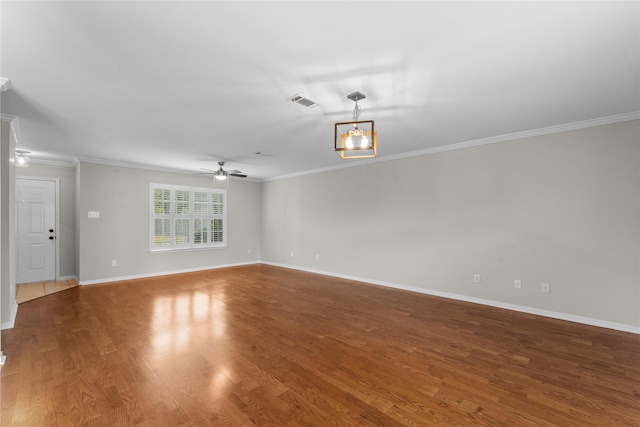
x=29 y=291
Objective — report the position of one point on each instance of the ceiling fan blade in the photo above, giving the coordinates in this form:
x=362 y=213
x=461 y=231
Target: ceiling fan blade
x=221 y=171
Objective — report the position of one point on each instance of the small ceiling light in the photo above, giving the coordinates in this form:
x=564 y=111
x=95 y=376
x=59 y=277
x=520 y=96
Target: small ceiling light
x=22 y=161
x=355 y=139
x=222 y=175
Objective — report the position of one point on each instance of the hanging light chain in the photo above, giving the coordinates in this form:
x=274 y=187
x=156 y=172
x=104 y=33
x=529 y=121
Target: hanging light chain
x=356 y=111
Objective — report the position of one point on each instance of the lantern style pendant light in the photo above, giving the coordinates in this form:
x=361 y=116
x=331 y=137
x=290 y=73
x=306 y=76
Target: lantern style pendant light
x=355 y=139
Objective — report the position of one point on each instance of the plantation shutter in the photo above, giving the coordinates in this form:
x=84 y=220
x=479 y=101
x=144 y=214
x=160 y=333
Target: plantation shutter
x=186 y=217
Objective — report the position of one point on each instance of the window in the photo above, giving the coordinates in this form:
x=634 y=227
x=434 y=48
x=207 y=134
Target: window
x=187 y=217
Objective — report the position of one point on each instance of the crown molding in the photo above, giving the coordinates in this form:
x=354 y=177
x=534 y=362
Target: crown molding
x=14 y=124
x=634 y=115
x=146 y=167
x=7 y=118
x=618 y=118
x=52 y=163
x=5 y=84
x=126 y=164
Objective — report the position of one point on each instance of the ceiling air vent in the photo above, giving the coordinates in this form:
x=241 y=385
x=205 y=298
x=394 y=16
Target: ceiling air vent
x=302 y=100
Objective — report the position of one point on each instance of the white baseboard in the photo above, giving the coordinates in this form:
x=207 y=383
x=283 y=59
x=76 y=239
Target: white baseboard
x=498 y=304
x=162 y=273
x=68 y=278
x=524 y=309
x=12 y=320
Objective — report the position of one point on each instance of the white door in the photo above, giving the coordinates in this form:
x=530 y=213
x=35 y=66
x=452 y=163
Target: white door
x=36 y=236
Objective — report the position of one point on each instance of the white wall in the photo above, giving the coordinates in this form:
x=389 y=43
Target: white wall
x=121 y=195
x=561 y=208
x=67 y=233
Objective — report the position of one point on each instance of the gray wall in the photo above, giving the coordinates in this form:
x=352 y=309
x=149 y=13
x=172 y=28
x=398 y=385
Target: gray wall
x=121 y=195
x=67 y=232
x=562 y=208
x=7 y=228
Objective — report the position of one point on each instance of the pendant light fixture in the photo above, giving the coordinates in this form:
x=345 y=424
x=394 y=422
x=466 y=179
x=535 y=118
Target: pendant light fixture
x=355 y=139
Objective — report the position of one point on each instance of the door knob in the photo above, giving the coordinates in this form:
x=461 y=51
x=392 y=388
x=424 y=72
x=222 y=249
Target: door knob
x=51 y=230
x=51 y=237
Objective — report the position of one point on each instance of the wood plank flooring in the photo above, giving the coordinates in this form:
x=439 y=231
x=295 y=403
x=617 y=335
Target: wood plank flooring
x=265 y=346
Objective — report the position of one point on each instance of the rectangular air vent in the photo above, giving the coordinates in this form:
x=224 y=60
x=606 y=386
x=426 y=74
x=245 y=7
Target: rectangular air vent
x=302 y=100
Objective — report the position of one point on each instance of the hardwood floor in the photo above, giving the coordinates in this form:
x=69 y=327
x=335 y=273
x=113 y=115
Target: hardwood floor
x=260 y=345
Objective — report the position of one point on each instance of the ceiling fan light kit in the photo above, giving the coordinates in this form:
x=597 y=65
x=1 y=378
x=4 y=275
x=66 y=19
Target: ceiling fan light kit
x=221 y=174
x=356 y=139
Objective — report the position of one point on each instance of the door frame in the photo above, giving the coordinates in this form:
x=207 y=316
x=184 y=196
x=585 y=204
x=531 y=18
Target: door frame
x=56 y=181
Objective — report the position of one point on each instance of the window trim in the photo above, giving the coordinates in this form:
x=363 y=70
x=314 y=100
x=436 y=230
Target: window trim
x=173 y=216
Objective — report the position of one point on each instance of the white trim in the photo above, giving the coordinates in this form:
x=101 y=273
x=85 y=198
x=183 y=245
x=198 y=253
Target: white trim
x=52 y=163
x=520 y=308
x=12 y=320
x=163 y=273
x=151 y=168
x=634 y=115
x=127 y=165
x=14 y=126
x=58 y=231
x=618 y=118
x=3 y=358
x=5 y=84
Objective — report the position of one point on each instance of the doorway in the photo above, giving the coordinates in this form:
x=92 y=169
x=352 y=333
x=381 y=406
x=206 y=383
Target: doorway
x=37 y=232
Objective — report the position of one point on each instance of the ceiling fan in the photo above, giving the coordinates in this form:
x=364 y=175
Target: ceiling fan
x=222 y=174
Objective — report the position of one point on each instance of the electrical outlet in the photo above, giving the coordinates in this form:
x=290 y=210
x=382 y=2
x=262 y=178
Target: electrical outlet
x=517 y=284
x=476 y=278
x=114 y=263
x=291 y=254
x=249 y=251
x=545 y=288
x=317 y=257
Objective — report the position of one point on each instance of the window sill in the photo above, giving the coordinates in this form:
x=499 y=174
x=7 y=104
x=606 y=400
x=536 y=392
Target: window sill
x=165 y=251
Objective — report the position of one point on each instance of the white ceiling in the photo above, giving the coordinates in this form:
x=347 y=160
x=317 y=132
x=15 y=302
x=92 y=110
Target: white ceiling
x=181 y=85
